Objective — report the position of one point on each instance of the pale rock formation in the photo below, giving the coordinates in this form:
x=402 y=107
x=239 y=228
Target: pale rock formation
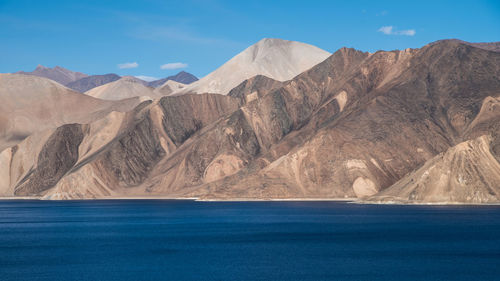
x=277 y=59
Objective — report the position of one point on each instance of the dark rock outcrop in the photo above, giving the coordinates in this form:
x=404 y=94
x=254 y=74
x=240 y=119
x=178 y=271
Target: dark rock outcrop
x=57 y=156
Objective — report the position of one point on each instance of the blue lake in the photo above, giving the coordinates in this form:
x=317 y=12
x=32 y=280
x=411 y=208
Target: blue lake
x=187 y=240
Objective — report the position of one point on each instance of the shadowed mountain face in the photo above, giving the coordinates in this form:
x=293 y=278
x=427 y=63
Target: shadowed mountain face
x=59 y=74
x=84 y=84
x=384 y=127
x=181 y=77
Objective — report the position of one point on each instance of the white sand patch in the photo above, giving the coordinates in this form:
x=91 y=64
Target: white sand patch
x=355 y=164
x=341 y=99
x=222 y=166
x=364 y=187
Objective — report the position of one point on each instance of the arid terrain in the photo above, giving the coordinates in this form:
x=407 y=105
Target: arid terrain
x=281 y=120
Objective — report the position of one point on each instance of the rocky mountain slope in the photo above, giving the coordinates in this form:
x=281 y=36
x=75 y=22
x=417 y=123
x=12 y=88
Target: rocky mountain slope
x=357 y=125
x=275 y=58
x=59 y=74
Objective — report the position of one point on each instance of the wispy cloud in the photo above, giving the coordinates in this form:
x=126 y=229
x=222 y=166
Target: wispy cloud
x=147 y=78
x=179 y=34
x=174 y=65
x=382 y=14
x=390 y=30
x=128 y=65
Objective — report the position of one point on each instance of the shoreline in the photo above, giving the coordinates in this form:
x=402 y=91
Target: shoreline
x=196 y=199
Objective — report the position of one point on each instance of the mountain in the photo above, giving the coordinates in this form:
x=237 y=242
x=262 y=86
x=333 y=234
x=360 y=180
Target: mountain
x=58 y=74
x=275 y=58
x=86 y=83
x=181 y=77
x=30 y=104
x=124 y=88
x=413 y=126
x=169 y=87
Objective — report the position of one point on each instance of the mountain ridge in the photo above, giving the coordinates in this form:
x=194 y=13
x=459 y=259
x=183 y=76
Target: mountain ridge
x=352 y=126
x=57 y=73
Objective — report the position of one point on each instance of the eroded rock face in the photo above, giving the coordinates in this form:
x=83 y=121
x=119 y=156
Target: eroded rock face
x=467 y=172
x=254 y=88
x=131 y=157
x=184 y=115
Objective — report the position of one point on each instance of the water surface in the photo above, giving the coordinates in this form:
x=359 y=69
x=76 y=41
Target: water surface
x=187 y=240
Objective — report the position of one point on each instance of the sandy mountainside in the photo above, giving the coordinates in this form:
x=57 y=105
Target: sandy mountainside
x=124 y=88
x=275 y=58
x=30 y=104
x=418 y=125
x=58 y=74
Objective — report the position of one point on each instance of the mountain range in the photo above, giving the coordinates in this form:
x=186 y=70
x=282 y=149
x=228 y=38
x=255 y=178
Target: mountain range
x=281 y=120
x=81 y=82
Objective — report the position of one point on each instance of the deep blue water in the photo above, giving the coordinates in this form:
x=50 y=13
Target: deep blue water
x=186 y=240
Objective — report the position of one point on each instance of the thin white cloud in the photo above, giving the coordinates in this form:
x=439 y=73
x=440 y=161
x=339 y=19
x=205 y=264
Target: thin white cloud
x=147 y=78
x=389 y=30
x=128 y=65
x=382 y=14
x=174 y=65
x=179 y=34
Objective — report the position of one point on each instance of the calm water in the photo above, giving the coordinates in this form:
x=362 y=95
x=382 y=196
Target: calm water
x=185 y=240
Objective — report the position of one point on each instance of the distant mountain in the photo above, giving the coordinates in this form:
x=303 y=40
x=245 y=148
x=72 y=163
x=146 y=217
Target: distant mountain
x=59 y=74
x=181 y=77
x=277 y=59
x=125 y=87
x=84 y=84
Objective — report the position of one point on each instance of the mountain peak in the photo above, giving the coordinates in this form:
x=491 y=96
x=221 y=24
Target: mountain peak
x=272 y=41
x=59 y=74
x=275 y=58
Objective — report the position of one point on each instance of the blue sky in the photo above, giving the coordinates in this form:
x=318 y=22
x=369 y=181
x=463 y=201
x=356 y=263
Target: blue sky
x=98 y=37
